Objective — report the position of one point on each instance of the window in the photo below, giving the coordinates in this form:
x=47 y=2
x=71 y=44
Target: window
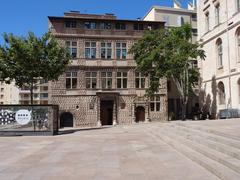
x=207 y=21
x=194 y=32
x=155 y=103
x=239 y=90
x=217 y=15
x=72 y=47
x=71 y=80
x=138 y=26
x=2 y=89
x=221 y=93
x=44 y=95
x=90 y=50
x=238 y=44
x=105 y=25
x=91 y=80
x=166 y=20
x=219 y=53
x=139 y=80
x=180 y=21
x=238 y=5
x=121 y=80
x=106 y=50
x=194 y=17
x=121 y=50
x=120 y=26
x=106 y=78
x=90 y=25
x=70 y=24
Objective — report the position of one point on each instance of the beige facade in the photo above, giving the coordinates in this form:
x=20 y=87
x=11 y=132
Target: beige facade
x=101 y=86
x=176 y=17
x=219 y=33
x=8 y=93
x=40 y=93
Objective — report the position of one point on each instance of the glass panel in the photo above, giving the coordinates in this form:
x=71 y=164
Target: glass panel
x=88 y=83
x=125 y=83
x=74 y=83
x=93 y=44
x=152 y=106
x=157 y=106
x=74 y=74
x=103 y=74
x=68 y=83
x=109 y=83
x=87 y=44
x=109 y=74
x=68 y=74
x=143 y=83
x=118 y=83
x=94 y=83
x=109 y=54
x=87 y=53
x=93 y=53
x=124 y=53
x=88 y=74
x=118 y=45
x=94 y=74
x=118 y=53
x=74 y=43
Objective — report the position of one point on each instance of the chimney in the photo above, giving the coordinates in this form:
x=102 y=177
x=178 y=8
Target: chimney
x=176 y=4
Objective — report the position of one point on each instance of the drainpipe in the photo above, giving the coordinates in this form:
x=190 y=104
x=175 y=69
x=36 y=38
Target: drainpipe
x=229 y=105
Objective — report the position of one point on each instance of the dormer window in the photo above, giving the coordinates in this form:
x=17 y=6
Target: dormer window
x=70 y=24
x=90 y=25
x=138 y=26
x=120 y=26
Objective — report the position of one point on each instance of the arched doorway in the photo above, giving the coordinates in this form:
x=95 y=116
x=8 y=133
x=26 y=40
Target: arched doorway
x=140 y=114
x=66 y=120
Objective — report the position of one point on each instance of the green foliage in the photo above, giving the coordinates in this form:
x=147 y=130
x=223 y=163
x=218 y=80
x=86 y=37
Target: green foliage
x=25 y=60
x=167 y=53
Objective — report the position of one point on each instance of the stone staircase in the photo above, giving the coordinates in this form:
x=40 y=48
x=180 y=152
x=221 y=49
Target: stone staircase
x=217 y=152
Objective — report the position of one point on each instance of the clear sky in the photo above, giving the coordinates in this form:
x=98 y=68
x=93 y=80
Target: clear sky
x=20 y=16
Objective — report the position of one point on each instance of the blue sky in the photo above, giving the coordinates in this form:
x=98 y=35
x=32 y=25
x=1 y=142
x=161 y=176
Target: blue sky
x=20 y=16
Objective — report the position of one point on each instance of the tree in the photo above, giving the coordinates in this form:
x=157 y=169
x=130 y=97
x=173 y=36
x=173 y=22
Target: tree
x=26 y=60
x=168 y=53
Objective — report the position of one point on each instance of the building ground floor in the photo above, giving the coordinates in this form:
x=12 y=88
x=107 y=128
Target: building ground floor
x=109 y=108
x=220 y=93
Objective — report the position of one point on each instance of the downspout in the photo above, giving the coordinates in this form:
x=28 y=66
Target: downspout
x=229 y=103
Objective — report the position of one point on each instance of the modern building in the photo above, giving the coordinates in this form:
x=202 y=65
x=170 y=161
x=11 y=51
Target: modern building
x=219 y=33
x=175 y=17
x=102 y=86
x=8 y=93
x=40 y=93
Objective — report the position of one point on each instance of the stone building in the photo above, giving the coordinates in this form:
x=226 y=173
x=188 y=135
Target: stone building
x=8 y=93
x=102 y=86
x=219 y=33
x=175 y=17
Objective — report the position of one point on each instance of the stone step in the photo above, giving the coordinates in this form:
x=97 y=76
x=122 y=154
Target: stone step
x=209 y=130
x=199 y=138
x=214 y=154
x=210 y=136
x=216 y=168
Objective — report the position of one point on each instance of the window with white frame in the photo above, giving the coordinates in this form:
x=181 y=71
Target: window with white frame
x=71 y=80
x=219 y=53
x=139 y=80
x=155 y=103
x=217 y=14
x=106 y=50
x=238 y=5
x=90 y=50
x=221 y=93
x=239 y=90
x=121 y=80
x=238 y=44
x=72 y=47
x=121 y=50
x=207 y=21
x=106 y=78
x=91 y=80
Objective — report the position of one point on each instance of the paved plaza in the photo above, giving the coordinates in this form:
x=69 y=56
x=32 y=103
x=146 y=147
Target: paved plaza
x=180 y=150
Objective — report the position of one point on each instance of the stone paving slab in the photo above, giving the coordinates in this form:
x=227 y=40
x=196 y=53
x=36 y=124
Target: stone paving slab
x=121 y=152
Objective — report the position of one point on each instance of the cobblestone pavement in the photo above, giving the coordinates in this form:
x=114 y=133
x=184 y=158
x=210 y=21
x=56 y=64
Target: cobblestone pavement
x=121 y=152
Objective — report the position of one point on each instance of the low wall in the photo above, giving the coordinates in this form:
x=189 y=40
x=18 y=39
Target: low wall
x=28 y=120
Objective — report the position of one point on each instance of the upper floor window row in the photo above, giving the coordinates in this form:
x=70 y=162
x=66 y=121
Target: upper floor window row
x=108 y=25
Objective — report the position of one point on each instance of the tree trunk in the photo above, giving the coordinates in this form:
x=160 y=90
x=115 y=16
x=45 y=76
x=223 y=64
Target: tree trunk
x=31 y=92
